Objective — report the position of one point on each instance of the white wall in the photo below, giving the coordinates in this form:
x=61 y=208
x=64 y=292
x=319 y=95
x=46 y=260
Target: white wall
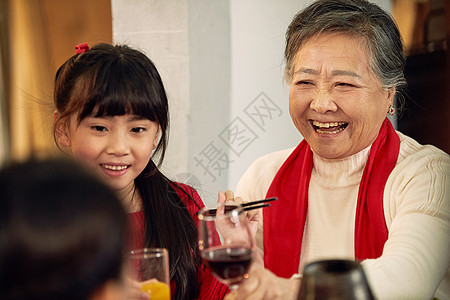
x=222 y=65
x=210 y=81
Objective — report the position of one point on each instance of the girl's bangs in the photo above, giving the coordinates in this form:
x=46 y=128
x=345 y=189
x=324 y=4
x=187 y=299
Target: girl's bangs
x=117 y=98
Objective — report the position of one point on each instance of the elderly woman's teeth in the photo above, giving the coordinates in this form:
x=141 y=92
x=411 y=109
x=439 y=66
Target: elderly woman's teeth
x=329 y=127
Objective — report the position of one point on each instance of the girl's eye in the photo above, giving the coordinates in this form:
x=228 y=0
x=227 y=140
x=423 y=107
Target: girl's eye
x=99 y=128
x=138 y=129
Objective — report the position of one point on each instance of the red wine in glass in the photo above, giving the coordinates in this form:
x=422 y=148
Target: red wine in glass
x=226 y=244
x=229 y=264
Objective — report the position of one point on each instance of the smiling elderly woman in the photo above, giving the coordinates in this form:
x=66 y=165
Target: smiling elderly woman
x=354 y=188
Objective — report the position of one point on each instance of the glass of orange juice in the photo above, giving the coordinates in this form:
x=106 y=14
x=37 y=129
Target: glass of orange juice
x=150 y=267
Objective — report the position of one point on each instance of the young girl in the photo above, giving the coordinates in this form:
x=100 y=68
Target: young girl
x=112 y=111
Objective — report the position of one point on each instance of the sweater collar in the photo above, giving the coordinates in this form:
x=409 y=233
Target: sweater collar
x=342 y=171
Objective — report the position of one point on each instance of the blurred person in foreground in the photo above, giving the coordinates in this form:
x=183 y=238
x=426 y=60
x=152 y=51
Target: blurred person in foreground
x=61 y=234
x=354 y=188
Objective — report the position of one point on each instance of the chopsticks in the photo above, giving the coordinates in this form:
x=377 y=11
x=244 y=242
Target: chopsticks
x=246 y=206
x=249 y=205
x=255 y=207
x=259 y=201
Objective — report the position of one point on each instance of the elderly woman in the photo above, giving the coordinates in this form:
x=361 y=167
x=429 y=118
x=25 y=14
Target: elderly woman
x=354 y=188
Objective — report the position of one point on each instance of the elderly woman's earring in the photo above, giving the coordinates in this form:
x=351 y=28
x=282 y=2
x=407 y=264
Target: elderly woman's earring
x=391 y=110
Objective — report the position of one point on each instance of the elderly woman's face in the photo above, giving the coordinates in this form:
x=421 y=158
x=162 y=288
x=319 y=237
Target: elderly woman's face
x=336 y=101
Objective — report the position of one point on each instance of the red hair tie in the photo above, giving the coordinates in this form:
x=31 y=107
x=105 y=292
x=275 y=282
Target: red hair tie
x=81 y=48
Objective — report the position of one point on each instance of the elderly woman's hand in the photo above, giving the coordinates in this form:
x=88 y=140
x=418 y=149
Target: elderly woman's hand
x=253 y=216
x=263 y=284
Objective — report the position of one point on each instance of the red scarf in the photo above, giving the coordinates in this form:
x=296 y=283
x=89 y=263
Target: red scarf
x=284 y=221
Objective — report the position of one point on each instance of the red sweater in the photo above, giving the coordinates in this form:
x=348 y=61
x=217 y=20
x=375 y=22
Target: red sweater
x=210 y=287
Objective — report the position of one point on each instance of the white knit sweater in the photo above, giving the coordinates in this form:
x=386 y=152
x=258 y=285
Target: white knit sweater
x=416 y=256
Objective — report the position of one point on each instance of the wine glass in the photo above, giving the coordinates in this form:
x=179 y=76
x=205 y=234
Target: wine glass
x=335 y=279
x=150 y=267
x=226 y=244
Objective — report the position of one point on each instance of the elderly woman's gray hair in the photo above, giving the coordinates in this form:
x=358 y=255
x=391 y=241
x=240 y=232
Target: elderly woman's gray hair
x=357 y=18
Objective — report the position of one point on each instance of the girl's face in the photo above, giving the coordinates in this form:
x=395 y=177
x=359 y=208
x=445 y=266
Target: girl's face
x=117 y=148
x=336 y=101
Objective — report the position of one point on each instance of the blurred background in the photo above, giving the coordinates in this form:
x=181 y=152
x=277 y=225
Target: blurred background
x=222 y=65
